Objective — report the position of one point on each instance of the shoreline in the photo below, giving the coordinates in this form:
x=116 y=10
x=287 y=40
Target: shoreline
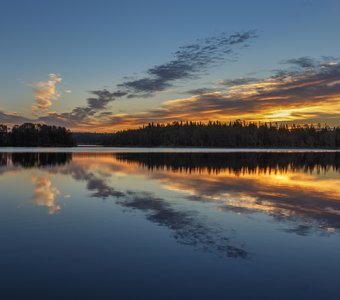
x=160 y=150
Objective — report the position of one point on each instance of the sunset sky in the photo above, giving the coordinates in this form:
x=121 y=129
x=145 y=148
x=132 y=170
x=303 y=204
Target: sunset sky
x=108 y=65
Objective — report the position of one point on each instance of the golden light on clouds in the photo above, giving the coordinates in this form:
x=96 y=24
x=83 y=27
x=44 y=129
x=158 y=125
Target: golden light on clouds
x=287 y=189
x=305 y=95
x=45 y=194
x=288 y=192
x=45 y=92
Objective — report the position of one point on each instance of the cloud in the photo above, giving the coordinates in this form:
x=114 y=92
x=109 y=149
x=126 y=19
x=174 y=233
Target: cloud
x=303 y=62
x=10 y=118
x=45 y=92
x=238 y=81
x=188 y=62
x=291 y=94
x=45 y=194
x=287 y=95
x=200 y=91
x=101 y=99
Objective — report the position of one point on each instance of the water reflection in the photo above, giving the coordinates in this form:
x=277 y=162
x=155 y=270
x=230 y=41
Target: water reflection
x=30 y=160
x=300 y=190
x=188 y=227
x=237 y=163
x=45 y=194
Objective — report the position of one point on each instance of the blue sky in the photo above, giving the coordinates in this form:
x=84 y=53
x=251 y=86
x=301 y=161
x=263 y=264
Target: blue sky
x=95 y=45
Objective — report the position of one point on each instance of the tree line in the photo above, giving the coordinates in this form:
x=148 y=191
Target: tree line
x=90 y=138
x=236 y=134
x=179 y=134
x=35 y=135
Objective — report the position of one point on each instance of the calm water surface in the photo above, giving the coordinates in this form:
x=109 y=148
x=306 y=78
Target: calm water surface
x=138 y=225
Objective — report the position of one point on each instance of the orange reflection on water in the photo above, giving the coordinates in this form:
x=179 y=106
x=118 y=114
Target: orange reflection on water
x=284 y=193
x=306 y=188
x=301 y=193
x=45 y=194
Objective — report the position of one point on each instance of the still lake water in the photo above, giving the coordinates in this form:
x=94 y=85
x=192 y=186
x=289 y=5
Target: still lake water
x=114 y=224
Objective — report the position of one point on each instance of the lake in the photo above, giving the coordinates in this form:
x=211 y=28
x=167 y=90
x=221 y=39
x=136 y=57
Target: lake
x=102 y=223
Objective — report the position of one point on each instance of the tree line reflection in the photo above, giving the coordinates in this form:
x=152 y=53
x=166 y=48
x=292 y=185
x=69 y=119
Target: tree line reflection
x=38 y=159
x=285 y=186
x=236 y=163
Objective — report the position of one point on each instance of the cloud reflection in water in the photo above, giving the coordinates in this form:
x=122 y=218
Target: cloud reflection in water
x=45 y=194
x=299 y=191
x=301 y=188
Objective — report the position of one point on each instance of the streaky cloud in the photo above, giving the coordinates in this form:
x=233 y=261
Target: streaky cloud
x=102 y=98
x=303 y=62
x=287 y=95
x=12 y=118
x=238 y=81
x=200 y=91
x=189 y=62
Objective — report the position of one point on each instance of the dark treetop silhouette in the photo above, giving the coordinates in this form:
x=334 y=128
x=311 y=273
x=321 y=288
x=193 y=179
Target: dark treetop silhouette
x=179 y=134
x=35 y=135
x=232 y=135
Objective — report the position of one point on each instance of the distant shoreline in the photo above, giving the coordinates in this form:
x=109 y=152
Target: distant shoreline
x=96 y=148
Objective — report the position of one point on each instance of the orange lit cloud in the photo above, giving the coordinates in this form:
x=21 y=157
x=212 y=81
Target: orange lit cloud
x=304 y=95
x=45 y=194
x=45 y=92
x=309 y=92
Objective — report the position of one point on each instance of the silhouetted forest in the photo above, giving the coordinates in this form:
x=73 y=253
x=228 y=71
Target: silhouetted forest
x=90 y=138
x=232 y=135
x=179 y=134
x=35 y=135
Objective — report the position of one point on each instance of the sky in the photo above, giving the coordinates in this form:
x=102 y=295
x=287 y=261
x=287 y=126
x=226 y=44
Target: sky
x=110 y=65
